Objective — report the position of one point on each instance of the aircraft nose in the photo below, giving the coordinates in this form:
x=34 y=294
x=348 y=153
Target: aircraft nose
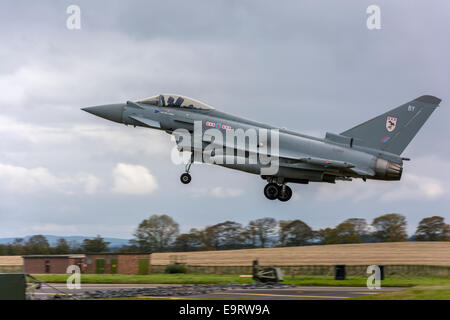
x=111 y=112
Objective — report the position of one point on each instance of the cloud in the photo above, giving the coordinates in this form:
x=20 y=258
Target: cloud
x=133 y=179
x=75 y=229
x=20 y=180
x=293 y=69
x=216 y=192
x=416 y=187
x=426 y=178
x=51 y=228
x=126 y=140
x=115 y=138
x=91 y=182
x=221 y=192
x=28 y=81
x=10 y=128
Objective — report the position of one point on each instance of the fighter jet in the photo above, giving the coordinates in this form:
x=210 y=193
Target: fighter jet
x=370 y=150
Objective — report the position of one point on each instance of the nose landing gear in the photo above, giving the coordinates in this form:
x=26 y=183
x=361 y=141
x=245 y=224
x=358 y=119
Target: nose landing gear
x=186 y=177
x=274 y=191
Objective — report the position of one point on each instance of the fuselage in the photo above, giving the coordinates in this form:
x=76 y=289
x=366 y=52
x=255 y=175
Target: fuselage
x=370 y=150
x=365 y=162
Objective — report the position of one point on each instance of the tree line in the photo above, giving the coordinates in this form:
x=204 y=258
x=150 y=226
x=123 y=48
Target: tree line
x=161 y=233
x=38 y=244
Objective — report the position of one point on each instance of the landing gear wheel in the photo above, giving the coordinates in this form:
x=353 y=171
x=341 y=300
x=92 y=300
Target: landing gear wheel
x=271 y=191
x=286 y=194
x=185 y=178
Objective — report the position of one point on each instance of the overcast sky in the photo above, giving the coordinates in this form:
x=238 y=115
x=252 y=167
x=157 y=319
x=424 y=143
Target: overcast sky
x=310 y=66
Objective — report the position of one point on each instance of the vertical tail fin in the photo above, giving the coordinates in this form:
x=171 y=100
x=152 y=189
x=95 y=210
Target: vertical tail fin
x=393 y=131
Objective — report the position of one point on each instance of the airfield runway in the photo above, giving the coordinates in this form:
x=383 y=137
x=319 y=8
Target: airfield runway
x=292 y=293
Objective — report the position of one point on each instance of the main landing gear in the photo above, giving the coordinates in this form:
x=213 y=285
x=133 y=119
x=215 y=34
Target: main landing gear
x=186 y=177
x=274 y=191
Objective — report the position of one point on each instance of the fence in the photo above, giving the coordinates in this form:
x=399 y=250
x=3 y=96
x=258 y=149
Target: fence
x=11 y=269
x=325 y=270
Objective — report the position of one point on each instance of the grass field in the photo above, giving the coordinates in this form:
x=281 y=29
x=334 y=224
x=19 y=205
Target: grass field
x=393 y=281
x=389 y=253
x=416 y=293
x=11 y=261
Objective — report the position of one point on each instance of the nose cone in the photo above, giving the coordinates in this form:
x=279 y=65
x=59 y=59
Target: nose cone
x=111 y=112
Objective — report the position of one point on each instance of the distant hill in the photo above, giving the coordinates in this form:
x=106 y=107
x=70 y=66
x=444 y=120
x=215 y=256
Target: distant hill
x=113 y=242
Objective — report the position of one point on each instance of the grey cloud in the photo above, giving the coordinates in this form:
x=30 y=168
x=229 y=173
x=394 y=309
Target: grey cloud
x=308 y=66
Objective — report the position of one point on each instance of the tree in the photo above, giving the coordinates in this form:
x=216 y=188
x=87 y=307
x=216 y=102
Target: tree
x=343 y=233
x=75 y=246
x=16 y=248
x=432 y=229
x=18 y=242
x=132 y=247
x=208 y=238
x=156 y=233
x=261 y=230
x=188 y=241
x=390 y=228
x=37 y=244
x=95 y=245
x=62 y=247
x=224 y=235
x=362 y=228
x=295 y=233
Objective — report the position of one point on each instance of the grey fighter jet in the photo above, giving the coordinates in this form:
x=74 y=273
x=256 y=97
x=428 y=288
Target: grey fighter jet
x=370 y=150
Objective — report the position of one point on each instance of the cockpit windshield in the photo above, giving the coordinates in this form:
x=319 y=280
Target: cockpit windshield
x=174 y=100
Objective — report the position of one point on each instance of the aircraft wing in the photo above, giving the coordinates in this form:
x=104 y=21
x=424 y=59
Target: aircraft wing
x=363 y=172
x=324 y=165
x=146 y=122
x=291 y=159
x=327 y=163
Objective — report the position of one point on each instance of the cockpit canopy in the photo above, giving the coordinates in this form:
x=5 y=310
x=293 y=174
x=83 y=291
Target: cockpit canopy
x=175 y=100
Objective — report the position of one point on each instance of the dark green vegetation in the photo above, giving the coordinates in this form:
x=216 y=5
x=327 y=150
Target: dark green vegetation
x=179 y=278
x=38 y=244
x=415 y=293
x=160 y=233
x=176 y=268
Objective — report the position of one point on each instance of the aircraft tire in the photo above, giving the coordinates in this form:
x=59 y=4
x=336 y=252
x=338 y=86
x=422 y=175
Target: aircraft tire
x=286 y=196
x=271 y=191
x=185 y=178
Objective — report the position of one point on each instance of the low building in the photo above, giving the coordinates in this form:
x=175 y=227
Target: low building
x=109 y=263
x=124 y=263
x=52 y=263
